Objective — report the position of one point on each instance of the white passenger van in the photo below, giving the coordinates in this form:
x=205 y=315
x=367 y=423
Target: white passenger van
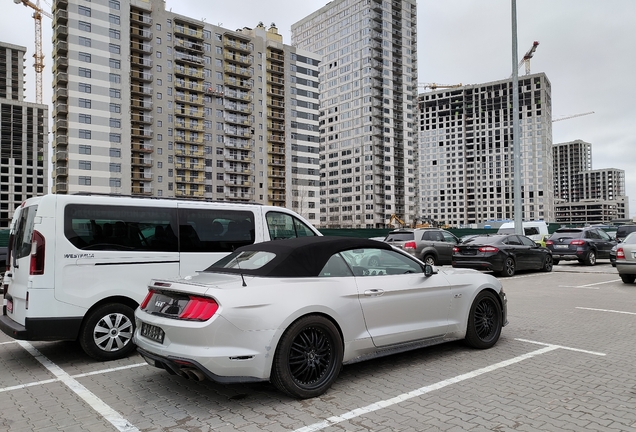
x=78 y=265
x=532 y=229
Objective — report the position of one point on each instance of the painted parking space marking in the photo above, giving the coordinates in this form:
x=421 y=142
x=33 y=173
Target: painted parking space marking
x=590 y=286
x=112 y=416
x=439 y=385
x=101 y=371
x=607 y=310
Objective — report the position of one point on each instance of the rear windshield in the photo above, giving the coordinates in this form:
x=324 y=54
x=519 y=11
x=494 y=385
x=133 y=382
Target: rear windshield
x=399 y=236
x=630 y=239
x=24 y=232
x=482 y=240
x=567 y=234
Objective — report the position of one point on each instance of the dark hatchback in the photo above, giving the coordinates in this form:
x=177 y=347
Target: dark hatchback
x=502 y=253
x=583 y=244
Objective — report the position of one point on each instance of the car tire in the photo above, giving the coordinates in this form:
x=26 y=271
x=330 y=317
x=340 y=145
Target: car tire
x=590 y=258
x=484 y=321
x=555 y=261
x=308 y=358
x=548 y=263
x=429 y=259
x=628 y=278
x=373 y=262
x=508 y=267
x=107 y=332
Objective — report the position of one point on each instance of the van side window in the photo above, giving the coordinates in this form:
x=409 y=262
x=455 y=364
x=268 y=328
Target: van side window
x=206 y=230
x=283 y=226
x=100 y=227
x=24 y=232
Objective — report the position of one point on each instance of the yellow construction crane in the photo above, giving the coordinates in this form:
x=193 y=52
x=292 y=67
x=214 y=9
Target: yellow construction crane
x=435 y=86
x=572 y=116
x=39 y=56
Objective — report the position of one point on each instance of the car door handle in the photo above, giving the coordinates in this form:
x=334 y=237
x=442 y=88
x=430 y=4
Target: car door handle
x=374 y=292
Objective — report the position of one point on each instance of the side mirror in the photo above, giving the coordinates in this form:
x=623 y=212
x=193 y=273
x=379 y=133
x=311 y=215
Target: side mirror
x=429 y=270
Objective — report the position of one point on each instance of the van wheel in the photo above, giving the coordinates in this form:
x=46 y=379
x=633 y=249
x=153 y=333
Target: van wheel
x=107 y=332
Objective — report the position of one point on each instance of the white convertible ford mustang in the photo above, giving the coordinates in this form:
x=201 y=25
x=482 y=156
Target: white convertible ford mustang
x=294 y=311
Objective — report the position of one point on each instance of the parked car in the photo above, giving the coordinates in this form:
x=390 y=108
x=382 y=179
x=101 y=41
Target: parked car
x=294 y=311
x=434 y=246
x=502 y=253
x=623 y=231
x=612 y=256
x=626 y=259
x=583 y=244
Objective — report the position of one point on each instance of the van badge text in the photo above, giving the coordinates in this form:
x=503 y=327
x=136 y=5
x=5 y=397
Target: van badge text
x=76 y=256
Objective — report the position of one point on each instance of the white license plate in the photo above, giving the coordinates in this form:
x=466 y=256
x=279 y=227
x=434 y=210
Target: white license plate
x=152 y=332
x=560 y=246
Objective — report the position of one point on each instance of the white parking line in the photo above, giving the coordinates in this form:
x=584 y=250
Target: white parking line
x=427 y=389
x=112 y=416
x=589 y=286
x=607 y=310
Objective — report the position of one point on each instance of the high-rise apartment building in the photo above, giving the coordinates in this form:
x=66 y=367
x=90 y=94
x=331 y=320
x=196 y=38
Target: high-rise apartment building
x=466 y=152
x=153 y=103
x=584 y=195
x=368 y=91
x=24 y=137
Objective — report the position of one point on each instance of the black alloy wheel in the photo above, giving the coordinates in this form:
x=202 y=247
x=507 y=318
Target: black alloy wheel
x=508 y=267
x=484 y=321
x=547 y=263
x=590 y=259
x=308 y=358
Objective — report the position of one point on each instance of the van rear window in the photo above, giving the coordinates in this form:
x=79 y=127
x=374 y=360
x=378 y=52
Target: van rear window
x=24 y=232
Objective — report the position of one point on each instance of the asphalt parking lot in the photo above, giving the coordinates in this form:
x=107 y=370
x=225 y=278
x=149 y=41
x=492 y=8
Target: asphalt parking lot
x=565 y=362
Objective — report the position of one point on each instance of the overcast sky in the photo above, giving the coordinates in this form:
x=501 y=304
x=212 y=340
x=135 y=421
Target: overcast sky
x=586 y=50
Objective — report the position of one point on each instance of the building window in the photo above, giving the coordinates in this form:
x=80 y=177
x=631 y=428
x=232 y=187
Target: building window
x=85 y=149
x=114 y=182
x=84 y=26
x=114 y=78
x=85 y=57
x=115 y=123
x=84 y=103
x=115 y=108
x=114 y=152
x=115 y=93
x=114 y=19
x=83 y=10
x=114 y=48
x=114 y=137
x=114 y=4
x=114 y=167
x=84 y=41
x=85 y=134
x=84 y=165
x=114 y=34
x=85 y=118
x=115 y=64
x=84 y=181
x=84 y=88
x=84 y=72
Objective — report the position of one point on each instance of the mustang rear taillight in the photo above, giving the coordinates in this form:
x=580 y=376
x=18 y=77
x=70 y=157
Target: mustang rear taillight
x=488 y=249
x=620 y=253
x=577 y=242
x=410 y=245
x=199 y=309
x=144 y=303
x=37 y=254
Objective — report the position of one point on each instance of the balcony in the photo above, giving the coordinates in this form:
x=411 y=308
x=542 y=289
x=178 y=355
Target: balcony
x=276 y=197
x=136 y=18
x=243 y=71
x=61 y=171
x=61 y=32
x=238 y=107
x=142 y=148
x=276 y=162
x=141 y=175
x=188 y=58
x=276 y=173
x=61 y=186
x=141 y=47
x=61 y=124
x=60 y=108
x=60 y=48
x=238 y=143
x=142 y=104
x=145 y=162
x=231 y=81
x=237 y=169
x=191 y=126
x=61 y=79
x=140 y=61
x=276 y=150
x=137 y=118
x=141 y=76
x=140 y=33
x=198 y=153
x=277 y=57
x=186 y=44
x=239 y=132
x=190 y=166
x=237 y=45
x=237 y=58
x=242 y=120
x=275 y=80
x=180 y=29
x=239 y=195
x=60 y=17
x=141 y=133
x=141 y=90
x=141 y=189
x=275 y=69
x=61 y=62
x=238 y=158
x=188 y=71
x=276 y=138
x=238 y=182
x=61 y=92
x=61 y=140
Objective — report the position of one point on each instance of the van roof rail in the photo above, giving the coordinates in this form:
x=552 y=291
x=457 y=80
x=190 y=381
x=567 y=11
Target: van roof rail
x=164 y=198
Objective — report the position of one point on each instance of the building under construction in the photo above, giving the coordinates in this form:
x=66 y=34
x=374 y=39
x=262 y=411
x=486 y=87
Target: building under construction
x=24 y=137
x=466 y=152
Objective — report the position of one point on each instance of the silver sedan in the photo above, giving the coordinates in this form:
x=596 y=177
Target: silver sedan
x=294 y=311
x=626 y=259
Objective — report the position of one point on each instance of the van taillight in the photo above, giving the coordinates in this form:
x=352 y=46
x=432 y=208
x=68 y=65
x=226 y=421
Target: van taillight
x=37 y=254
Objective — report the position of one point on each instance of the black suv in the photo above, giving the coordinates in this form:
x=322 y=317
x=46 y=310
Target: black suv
x=432 y=245
x=623 y=231
x=582 y=244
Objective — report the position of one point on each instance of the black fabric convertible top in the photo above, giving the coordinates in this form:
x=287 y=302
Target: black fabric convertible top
x=297 y=257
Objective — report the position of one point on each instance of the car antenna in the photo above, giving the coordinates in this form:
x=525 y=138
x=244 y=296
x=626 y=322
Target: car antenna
x=239 y=267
